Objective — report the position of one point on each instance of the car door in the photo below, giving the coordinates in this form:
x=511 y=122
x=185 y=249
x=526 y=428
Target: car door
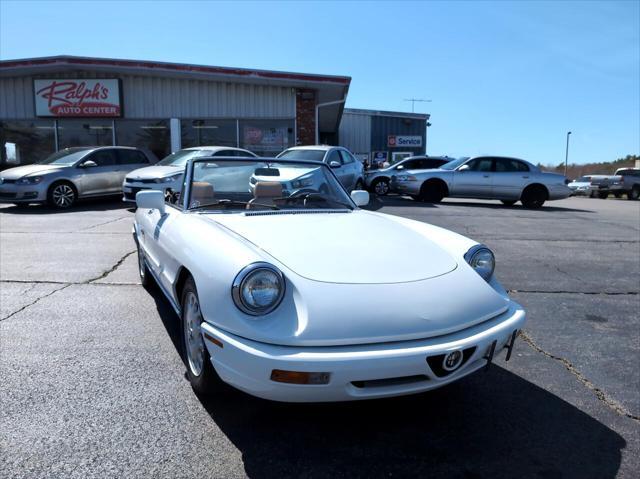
x=350 y=167
x=101 y=178
x=475 y=180
x=509 y=179
x=334 y=155
x=129 y=160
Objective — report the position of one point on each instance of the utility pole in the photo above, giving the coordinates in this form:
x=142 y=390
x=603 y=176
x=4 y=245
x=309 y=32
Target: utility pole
x=566 y=155
x=413 y=102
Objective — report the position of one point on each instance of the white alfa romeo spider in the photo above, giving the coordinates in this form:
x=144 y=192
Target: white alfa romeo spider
x=297 y=294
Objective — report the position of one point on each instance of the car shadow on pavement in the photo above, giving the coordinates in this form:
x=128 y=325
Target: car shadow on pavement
x=405 y=201
x=96 y=204
x=490 y=424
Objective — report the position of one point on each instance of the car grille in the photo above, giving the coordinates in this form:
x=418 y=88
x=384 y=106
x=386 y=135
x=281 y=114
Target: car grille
x=8 y=195
x=144 y=181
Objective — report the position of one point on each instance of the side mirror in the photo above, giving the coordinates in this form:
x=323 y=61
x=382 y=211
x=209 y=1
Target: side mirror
x=360 y=197
x=150 y=199
x=464 y=168
x=88 y=164
x=335 y=164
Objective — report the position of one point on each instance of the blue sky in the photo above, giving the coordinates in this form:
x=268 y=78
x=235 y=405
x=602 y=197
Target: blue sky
x=504 y=77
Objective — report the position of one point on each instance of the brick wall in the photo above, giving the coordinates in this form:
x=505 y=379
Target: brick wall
x=306 y=116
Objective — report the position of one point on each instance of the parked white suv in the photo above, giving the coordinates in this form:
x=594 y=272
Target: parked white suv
x=166 y=175
x=346 y=167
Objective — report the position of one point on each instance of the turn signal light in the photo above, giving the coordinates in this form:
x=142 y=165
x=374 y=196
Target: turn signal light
x=299 y=377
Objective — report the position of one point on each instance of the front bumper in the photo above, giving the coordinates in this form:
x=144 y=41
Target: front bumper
x=129 y=189
x=13 y=193
x=360 y=371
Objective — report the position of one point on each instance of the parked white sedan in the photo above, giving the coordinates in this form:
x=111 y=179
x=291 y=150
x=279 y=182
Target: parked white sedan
x=166 y=175
x=278 y=295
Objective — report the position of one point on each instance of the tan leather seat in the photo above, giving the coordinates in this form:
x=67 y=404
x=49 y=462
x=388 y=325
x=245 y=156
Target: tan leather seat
x=201 y=193
x=264 y=192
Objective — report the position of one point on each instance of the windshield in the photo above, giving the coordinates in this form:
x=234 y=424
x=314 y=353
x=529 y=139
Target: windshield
x=312 y=155
x=180 y=158
x=452 y=165
x=246 y=185
x=68 y=156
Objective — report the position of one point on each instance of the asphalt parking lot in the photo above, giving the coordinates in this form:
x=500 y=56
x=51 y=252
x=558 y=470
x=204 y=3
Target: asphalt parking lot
x=93 y=385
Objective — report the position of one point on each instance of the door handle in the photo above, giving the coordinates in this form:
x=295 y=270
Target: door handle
x=486 y=176
x=527 y=176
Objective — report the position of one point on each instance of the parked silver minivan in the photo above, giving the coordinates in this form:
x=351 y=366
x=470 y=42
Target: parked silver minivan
x=72 y=173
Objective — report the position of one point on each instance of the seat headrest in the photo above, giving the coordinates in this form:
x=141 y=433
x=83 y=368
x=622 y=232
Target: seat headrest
x=201 y=193
x=267 y=189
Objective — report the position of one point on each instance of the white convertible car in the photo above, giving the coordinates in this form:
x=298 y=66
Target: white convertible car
x=301 y=295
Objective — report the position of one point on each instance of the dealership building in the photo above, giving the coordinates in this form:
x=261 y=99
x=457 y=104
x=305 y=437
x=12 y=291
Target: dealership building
x=47 y=104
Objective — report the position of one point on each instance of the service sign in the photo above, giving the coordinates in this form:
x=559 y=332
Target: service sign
x=404 y=140
x=86 y=97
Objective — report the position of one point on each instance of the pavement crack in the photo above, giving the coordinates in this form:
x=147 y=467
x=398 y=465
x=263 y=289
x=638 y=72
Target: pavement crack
x=603 y=293
x=599 y=393
x=105 y=223
x=112 y=269
x=38 y=299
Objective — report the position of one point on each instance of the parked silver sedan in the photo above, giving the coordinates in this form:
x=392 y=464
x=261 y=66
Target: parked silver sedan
x=378 y=181
x=69 y=174
x=486 y=177
x=346 y=167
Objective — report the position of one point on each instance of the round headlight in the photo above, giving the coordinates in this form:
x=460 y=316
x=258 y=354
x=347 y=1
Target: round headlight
x=481 y=259
x=258 y=289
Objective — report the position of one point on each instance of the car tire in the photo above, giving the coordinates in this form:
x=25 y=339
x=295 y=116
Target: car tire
x=534 y=196
x=380 y=186
x=200 y=372
x=634 y=194
x=508 y=202
x=603 y=195
x=62 y=195
x=432 y=192
x=143 y=270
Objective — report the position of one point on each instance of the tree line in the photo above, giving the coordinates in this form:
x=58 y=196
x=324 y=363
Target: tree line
x=603 y=168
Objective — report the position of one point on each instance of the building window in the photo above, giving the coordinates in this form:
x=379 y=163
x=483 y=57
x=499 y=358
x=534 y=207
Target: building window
x=149 y=135
x=209 y=133
x=25 y=142
x=266 y=137
x=87 y=132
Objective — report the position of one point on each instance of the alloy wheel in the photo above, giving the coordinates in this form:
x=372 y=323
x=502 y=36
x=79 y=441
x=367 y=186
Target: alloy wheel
x=381 y=188
x=63 y=196
x=193 y=341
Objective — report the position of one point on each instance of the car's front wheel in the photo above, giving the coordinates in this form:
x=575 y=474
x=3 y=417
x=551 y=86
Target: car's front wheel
x=200 y=371
x=603 y=195
x=634 y=194
x=143 y=271
x=432 y=191
x=380 y=186
x=62 y=195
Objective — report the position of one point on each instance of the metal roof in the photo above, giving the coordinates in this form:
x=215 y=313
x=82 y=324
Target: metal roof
x=397 y=114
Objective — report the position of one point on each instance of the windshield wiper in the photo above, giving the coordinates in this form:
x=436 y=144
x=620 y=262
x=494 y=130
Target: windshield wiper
x=313 y=197
x=227 y=202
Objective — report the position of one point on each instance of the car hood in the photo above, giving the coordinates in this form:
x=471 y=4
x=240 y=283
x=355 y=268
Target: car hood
x=20 y=171
x=344 y=247
x=152 y=172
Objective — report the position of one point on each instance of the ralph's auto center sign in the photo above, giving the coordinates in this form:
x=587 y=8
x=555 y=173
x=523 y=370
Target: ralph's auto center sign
x=77 y=98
